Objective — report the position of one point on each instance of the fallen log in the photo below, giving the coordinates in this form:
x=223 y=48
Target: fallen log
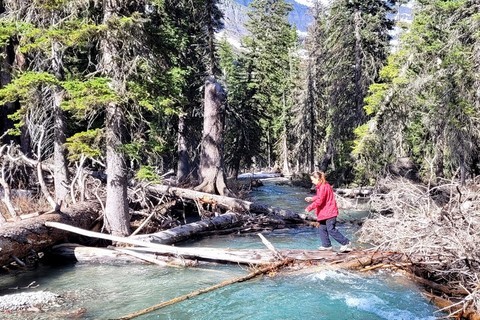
x=227 y=203
x=184 y=256
x=22 y=238
x=118 y=256
x=250 y=257
x=187 y=231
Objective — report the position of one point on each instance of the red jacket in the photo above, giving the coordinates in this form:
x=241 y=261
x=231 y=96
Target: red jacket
x=324 y=202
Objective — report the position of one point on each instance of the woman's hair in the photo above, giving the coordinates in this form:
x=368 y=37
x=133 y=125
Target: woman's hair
x=320 y=175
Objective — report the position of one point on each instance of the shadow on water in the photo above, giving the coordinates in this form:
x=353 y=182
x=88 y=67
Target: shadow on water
x=107 y=292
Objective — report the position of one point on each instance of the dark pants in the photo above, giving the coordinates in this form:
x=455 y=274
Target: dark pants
x=327 y=228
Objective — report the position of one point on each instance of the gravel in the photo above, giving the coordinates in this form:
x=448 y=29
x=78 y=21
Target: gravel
x=27 y=300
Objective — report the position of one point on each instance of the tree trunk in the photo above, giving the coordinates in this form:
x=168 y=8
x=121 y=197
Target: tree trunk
x=116 y=207
x=59 y=152
x=211 y=158
x=7 y=58
x=183 y=167
x=327 y=157
x=20 y=238
x=359 y=90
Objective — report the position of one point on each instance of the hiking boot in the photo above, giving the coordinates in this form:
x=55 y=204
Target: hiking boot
x=322 y=248
x=345 y=248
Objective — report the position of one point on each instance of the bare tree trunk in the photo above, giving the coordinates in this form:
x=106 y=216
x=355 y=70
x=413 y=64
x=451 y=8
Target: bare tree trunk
x=311 y=109
x=6 y=60
x=183 y=166
x=59 y=152
x=327 y=157
x=6 y=199
x=116 y=207
x=286 y=169
x=211 y=158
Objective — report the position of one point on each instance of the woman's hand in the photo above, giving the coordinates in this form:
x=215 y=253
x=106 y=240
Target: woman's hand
x=308 y=199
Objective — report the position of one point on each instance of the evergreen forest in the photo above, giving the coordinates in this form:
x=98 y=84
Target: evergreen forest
x=100 y=97
x=116 y=88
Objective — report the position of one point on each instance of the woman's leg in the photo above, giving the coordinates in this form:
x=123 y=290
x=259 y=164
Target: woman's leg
x=324 y=234
x=332 y=231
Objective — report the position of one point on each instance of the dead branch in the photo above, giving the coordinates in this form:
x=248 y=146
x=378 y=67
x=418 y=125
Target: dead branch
x=435 y=226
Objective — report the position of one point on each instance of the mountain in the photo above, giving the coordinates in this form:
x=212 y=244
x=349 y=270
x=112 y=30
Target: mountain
x=235 y=17
x=299 y=16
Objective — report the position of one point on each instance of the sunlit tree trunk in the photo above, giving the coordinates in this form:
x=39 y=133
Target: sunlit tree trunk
x=211 y=157
x=59 y=150
x=116 y=207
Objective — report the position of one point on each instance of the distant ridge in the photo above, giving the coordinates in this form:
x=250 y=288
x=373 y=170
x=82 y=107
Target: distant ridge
x=235 y=18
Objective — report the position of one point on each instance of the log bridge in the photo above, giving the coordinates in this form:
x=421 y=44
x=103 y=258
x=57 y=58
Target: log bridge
x=141 y=251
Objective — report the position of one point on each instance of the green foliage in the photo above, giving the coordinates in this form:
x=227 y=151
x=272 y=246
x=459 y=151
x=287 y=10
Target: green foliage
x=86 y=143
x=147 y=173
x=10 y=28
x=350 y=46
x=376 y=95
x=21 y=88
x=425 y=109
x=84 y=97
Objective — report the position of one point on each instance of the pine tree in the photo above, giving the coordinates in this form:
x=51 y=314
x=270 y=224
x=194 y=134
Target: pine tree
x=310 y=108
x=356 y=48
x=269 y=54
x=429 y=95
x=243 y=119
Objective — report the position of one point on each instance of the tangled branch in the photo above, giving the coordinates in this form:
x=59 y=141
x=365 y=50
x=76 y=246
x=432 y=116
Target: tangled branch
x=436 y=227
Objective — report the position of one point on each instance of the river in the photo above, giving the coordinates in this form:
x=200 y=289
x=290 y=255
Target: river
x=108 y=292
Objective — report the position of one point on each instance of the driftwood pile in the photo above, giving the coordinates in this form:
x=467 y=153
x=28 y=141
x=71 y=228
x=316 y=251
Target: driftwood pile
x=437 y=229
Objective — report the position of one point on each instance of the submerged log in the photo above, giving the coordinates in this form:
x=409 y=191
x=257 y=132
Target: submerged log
x=27 y=237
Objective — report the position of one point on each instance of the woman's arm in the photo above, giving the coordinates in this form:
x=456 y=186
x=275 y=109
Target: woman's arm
x=318 y=199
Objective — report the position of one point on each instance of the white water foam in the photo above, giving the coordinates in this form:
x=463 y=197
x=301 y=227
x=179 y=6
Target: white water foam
x=377 y=306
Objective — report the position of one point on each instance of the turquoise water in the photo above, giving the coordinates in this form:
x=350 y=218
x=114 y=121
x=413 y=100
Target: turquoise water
x=107 y=292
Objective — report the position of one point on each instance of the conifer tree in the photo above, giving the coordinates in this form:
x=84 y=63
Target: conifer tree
x=310 y=106
x=269 y=47
x=428 y=94
x=356 y=48
x=44 y=33
x=243 y=119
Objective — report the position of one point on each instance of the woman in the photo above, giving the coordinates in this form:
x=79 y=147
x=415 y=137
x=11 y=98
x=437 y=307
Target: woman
x=326 y=211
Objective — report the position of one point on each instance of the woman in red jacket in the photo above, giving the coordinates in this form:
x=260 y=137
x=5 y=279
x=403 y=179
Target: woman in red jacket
x=326 y=211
